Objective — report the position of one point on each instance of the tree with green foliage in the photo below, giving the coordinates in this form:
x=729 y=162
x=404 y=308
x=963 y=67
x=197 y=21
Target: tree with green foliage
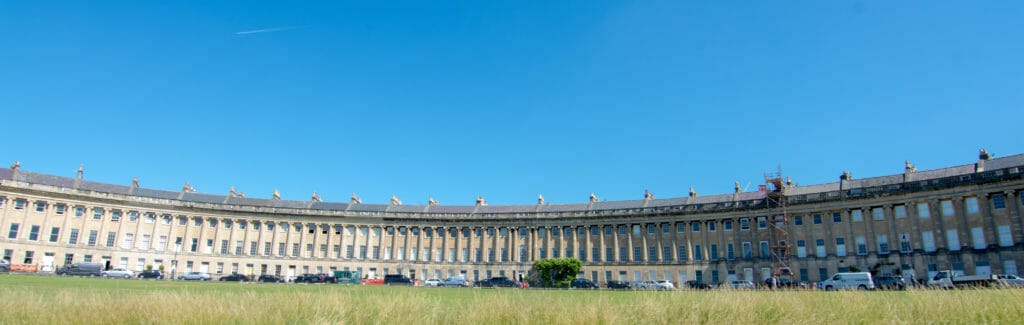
x=556 y=272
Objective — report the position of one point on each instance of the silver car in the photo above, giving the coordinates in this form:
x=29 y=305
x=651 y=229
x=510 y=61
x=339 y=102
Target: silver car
x=455 y=281
x=118 y=273
x=741 y=284
x=195 y=276
x=1010 y=280
x=432 y=283
x=664 y=285
x=645 y=285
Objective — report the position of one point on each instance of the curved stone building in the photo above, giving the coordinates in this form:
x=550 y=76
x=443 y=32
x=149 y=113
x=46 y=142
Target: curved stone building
x=964 y=217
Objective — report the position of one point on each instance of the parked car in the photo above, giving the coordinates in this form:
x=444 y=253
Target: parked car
x=954 y=279
x=784 y=283
x=848 y=280
x=582 y=284
x=791 y=284
x=618 y=285
x=645 y=285
x=151 y=274
x=314 y=278
x=5 y=266
x=741 y=284
x=346 y=277
x=234 y=277
x=195 y=276
x=397 y=280
x=889 y=282
x=270 y=278
x=432 y=283
x=82 y=269
x=499 y=282
x=117 y=273
x=1010 y=280
x=455 y=281
x=664 y=285
x=694 y=284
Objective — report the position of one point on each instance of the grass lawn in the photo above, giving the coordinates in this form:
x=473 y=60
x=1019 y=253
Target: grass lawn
x=60 y=300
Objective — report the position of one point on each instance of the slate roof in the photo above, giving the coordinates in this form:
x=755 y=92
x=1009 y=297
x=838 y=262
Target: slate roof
x=45 y=179
x=104 y=187
x=336 y=206
x=248 y=201
x=368 y=207
x=615 y=205
x=289 y=204
x=203 y=198
x=725 y=199
x=153 y=193
x=452 y=209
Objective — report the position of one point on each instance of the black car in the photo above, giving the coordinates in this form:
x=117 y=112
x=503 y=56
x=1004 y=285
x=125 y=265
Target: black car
x=784 y=283
x=151 y=274
x=269 y=278
x=618 y=285
x=235 y=278
x=889 y=282
x=315 y=278
x=499 y=282
x=694 y=284
x=790 y=284
x=582 y=284
x=397 y=280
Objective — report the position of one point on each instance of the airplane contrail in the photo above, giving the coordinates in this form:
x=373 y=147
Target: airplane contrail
x=269 y=30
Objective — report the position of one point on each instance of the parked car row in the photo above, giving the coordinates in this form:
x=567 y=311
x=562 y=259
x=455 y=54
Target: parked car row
x=500 y=282
x=315 y=278
x=455 y=281
x=640 y=285
x=842 y=280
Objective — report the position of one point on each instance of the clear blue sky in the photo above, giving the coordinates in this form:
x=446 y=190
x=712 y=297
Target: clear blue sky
x=505 y=99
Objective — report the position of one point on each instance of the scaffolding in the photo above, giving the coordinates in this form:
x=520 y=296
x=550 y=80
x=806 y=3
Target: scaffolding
x=775 y=202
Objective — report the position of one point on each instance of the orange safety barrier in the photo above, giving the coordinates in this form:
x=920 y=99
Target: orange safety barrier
x=371 y=282
x=24 y=268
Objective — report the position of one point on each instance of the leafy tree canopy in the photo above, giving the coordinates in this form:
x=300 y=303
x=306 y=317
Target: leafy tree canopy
x=556 y=272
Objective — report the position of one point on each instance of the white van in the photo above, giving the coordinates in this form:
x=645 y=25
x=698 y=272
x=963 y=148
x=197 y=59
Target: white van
x=849 y=280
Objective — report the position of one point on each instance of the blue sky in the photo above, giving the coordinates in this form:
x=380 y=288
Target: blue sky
x=505 y=99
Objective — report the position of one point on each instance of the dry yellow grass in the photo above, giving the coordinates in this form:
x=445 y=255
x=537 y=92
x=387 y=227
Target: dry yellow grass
x=53 y=300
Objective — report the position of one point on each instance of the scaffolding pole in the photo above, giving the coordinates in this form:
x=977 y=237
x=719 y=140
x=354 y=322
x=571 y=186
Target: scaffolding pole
x=775 y=201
